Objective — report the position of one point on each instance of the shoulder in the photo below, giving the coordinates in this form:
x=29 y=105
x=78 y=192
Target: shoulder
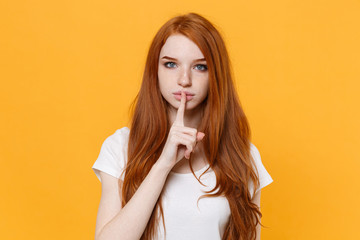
x=255 y=153
x=257 y=162
x=113 y=154
x=119 y=136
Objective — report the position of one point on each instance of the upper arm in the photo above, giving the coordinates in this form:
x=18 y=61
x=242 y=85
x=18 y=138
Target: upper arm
x=256 y=200
x=110 y=202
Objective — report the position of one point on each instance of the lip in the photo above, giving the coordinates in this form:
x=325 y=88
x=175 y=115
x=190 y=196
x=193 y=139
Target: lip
x=178 y=97
x=186 y=92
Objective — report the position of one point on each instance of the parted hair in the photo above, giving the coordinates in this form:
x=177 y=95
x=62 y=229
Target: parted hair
x=227 y=132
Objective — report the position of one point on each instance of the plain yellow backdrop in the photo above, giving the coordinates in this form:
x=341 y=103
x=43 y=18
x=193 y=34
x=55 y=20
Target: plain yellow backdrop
x=70 y=69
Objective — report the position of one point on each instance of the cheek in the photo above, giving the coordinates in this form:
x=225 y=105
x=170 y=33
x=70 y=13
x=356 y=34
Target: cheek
x=161 y=77
x=162 y=73
x=204 y=83
x=201 y=76
x=163 y=84
x=166 y=79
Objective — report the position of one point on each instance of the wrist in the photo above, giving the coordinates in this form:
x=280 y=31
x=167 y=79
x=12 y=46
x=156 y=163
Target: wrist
x=163 y=166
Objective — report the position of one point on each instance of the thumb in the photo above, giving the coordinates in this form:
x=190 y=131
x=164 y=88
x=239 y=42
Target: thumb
x=200 y=136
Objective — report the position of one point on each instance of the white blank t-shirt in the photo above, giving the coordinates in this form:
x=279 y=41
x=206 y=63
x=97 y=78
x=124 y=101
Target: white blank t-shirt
x=184 y=219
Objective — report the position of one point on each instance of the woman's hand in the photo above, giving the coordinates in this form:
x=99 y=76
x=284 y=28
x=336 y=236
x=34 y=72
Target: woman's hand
x=181 y=140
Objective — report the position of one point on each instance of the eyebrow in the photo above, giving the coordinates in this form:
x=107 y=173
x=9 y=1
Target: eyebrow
x=196 y=60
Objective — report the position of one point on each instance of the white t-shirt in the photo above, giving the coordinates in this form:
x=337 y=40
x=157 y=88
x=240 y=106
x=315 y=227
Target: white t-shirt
x=184 y=219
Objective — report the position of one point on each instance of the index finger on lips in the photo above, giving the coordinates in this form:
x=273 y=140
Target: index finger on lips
x=181 y=110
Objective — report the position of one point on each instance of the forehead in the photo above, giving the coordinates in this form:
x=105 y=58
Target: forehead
x=180 y=47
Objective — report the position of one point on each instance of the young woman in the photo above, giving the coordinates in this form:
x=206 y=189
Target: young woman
x=186 y=168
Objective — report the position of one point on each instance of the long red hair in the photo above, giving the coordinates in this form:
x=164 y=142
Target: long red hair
x=227 y=145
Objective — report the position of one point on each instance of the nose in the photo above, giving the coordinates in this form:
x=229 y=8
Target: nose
x=185 y=78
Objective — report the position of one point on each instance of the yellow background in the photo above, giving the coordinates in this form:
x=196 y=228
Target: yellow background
x=69 y=70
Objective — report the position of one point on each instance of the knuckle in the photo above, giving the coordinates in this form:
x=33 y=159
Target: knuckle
x=173 y=139
x=177 y=128
x=174 y=130
x=193 y=131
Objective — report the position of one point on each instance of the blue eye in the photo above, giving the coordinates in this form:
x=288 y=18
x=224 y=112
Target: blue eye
x=169 y=64
x=202 y=67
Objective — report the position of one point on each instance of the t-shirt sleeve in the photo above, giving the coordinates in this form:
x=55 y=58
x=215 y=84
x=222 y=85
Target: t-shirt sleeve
x=264 y=177
x=113 y=154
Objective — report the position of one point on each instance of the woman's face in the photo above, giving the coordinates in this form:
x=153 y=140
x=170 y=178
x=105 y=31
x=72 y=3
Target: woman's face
x=182 y=67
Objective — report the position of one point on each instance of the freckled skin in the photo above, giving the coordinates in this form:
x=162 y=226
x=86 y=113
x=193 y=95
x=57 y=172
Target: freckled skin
x=183 y=74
